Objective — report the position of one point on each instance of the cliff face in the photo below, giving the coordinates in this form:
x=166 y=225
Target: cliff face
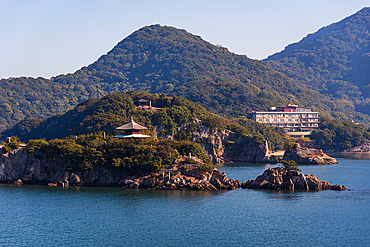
x=309 y=156
x=226 y=146
x=37 y=168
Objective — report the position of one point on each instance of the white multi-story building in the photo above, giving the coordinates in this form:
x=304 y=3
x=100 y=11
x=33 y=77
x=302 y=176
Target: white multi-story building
x=297 y=121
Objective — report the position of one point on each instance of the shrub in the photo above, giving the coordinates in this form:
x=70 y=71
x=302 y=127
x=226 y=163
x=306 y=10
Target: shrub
x=36 y=145
x=207 y=167
x=190 y=161
x=290 y=146
x=14 y=143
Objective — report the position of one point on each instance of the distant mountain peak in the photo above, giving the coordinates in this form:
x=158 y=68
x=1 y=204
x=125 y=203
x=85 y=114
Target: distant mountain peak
x=334 y=61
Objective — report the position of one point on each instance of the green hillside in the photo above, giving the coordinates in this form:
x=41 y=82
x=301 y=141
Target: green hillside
x=333 y=61
x=111 y=111
x=161 y=59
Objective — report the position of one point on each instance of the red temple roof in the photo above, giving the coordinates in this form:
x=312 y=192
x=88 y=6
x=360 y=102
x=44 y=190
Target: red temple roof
x=131 y=126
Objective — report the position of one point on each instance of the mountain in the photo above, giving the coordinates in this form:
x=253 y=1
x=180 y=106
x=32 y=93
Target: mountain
x=161 y=59
x=333 y=61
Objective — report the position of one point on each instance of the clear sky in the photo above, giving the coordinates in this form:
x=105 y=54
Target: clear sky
x=50 y=37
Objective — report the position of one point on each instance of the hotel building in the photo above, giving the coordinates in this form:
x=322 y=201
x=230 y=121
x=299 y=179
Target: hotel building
x=297 y=121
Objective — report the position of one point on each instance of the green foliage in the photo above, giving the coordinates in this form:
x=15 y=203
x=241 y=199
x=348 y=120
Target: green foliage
x=339 y=135
x=290 y=165
x=127 y=156
x=193 y=148
x=273 y=135
x=207 y=167
x=14 y=143
x=290 y=146
x=238 y=129
x=258 y=139
x=190 y=161
x=37 y=145
x=213 y=122
x=188 y=133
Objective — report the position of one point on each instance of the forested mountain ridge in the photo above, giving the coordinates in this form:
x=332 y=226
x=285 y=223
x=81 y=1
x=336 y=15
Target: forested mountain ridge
x=334 y=61
x=161 y=59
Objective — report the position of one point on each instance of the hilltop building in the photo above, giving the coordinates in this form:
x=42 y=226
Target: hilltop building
x=132 y=130
x=297 y=121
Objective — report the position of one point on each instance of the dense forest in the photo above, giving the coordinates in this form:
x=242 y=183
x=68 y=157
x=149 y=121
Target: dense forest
x=338 y=135
x=333 y=61
x=161 y=59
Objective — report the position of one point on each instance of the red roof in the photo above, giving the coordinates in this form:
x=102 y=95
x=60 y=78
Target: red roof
x=143 y=100
x=131 y=126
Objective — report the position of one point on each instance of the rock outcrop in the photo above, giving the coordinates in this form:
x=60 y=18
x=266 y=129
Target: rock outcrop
x=184 y=177
x=309 y=156
x=364 y=148
x=279 y=179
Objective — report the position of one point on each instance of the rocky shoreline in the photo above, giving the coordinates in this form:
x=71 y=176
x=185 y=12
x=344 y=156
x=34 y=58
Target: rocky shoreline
x=19 y=167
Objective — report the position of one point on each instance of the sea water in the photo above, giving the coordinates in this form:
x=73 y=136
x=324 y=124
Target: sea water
x=80 y=216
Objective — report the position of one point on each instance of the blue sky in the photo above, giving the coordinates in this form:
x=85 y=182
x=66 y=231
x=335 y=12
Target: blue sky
x=50 y=37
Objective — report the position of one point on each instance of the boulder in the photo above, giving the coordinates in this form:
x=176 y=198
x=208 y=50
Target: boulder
x=18 y=182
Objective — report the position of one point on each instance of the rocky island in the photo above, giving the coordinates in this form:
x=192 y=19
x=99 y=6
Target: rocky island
x=280 y=179
x=20 y=167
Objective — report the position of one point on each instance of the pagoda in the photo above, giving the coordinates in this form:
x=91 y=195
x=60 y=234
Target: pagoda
x=132 y=130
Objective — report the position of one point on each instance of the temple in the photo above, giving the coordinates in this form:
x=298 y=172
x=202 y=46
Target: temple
x=132 y=130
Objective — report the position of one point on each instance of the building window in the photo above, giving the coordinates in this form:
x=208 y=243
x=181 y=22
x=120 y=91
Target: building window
x=289 y=125
x=281 y=125
x=304 y=115
x=267 y=115
x=275 y=120
x=289 y=120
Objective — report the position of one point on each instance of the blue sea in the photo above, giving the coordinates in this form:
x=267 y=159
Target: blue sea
x=80 y=216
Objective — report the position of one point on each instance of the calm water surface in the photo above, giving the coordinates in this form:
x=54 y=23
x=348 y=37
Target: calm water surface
x=55 y=216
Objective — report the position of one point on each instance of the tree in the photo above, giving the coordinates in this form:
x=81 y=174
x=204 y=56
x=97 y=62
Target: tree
x=290 y=165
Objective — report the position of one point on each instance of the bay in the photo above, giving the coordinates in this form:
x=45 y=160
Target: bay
x=81 y=216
